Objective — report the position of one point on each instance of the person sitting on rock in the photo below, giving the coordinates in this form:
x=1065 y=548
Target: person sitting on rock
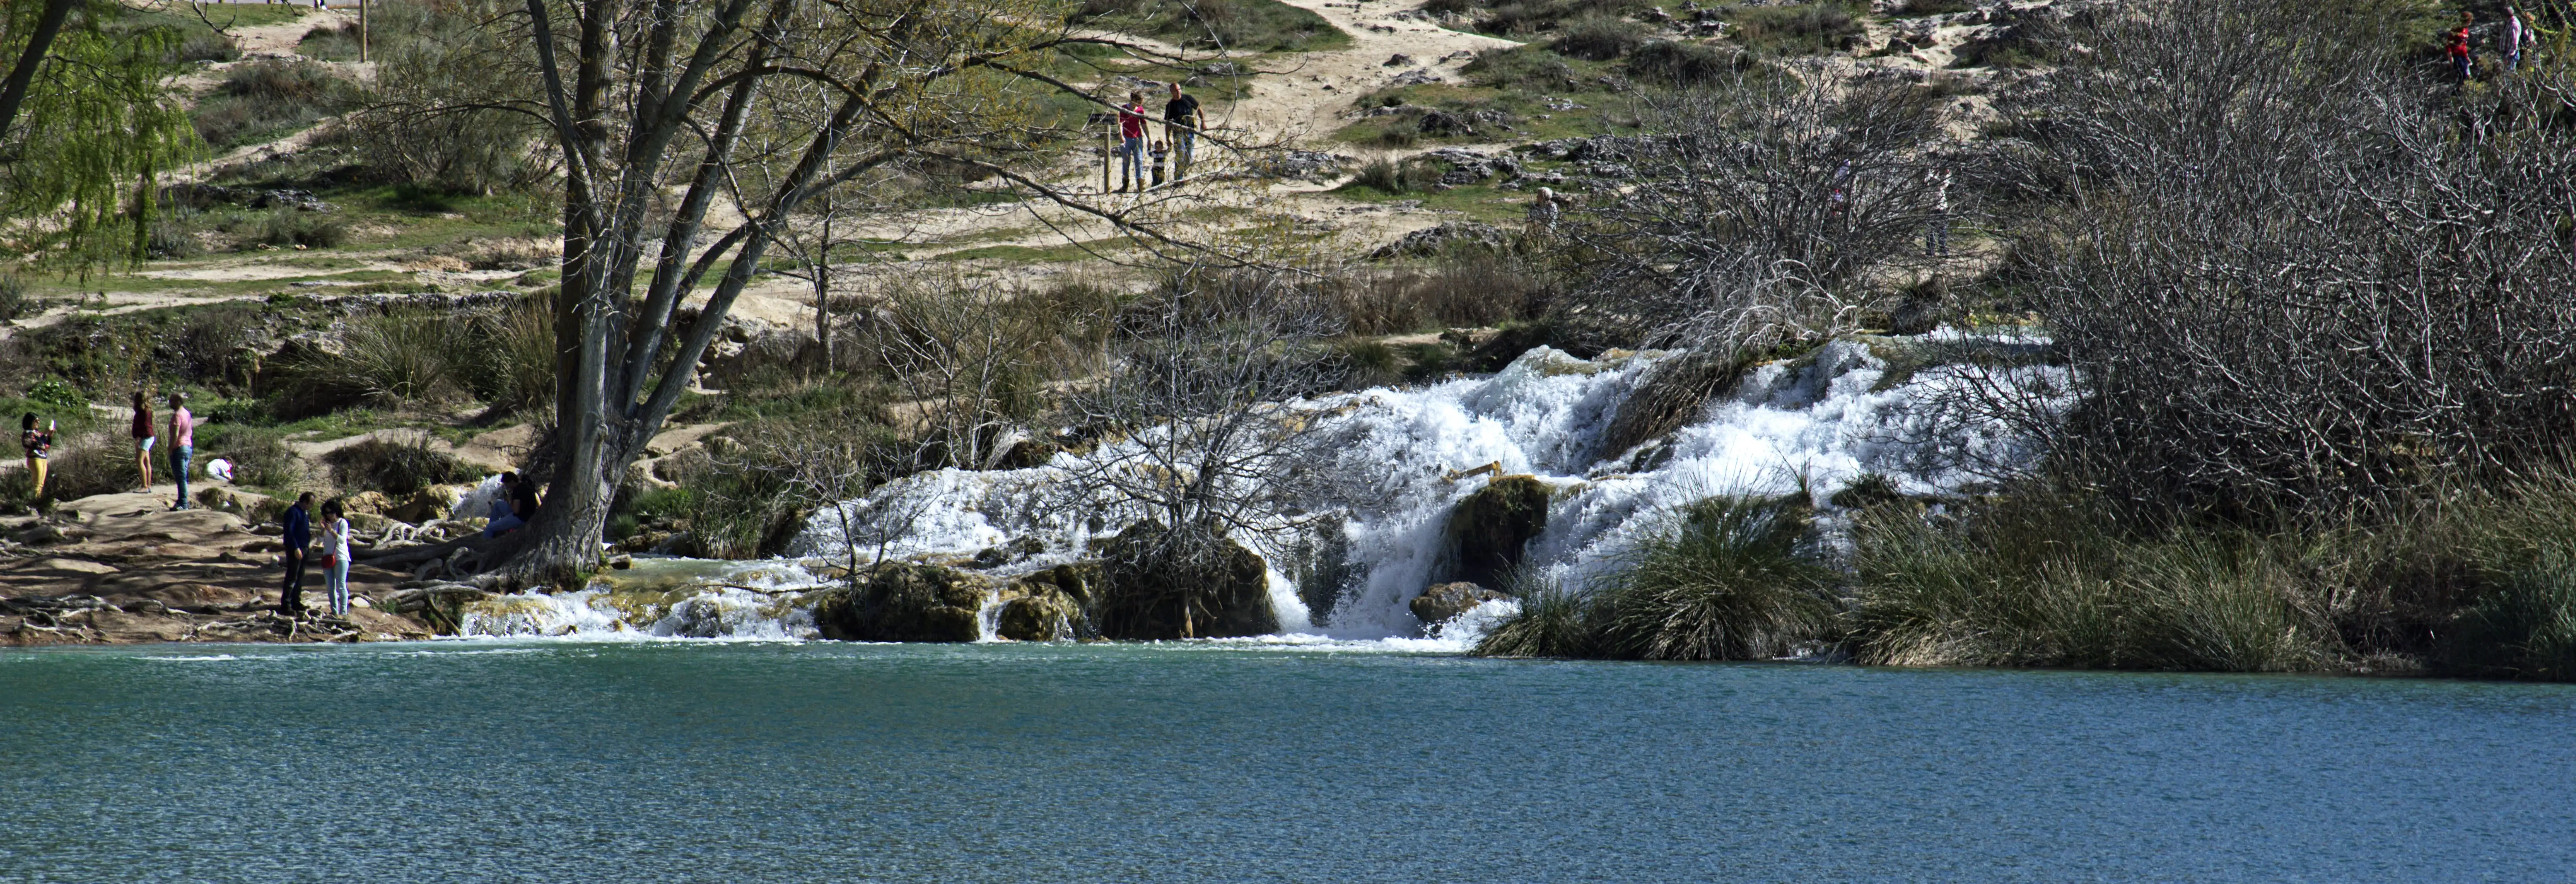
x=505 y=515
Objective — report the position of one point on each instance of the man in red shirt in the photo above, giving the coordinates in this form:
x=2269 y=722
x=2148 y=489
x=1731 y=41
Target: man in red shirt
x=2460 y=46
x=1131 y=142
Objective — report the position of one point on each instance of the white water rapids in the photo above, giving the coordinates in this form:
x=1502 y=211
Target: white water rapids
x=1813 y=424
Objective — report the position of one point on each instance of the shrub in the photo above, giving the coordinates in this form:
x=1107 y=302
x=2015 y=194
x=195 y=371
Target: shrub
x=1803 y=29
x=396 y=464
x=1599 y=37
x=173 y=235
x=1729 y=582
x=1912 y=8
x=518 y=349
x=259 y=455
x=13 y=298
x=1521 y=67
x=99 y=461
x=1456 y=290
x=1551 y=623
x=2524 y=626
x=383 y=359
x=268 y=98
x=1683 y=64
x=2053 y=581
x=1393 y=177
x=288 y=227
x=58 y=393
x=208 y=46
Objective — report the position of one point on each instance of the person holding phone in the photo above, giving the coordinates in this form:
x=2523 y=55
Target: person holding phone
x=40 y=449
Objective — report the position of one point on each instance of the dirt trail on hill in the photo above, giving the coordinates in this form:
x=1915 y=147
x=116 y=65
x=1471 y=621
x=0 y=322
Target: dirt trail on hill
x=1315 y=88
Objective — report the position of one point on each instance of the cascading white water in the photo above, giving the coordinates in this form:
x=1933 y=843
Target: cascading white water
x=1813 y=424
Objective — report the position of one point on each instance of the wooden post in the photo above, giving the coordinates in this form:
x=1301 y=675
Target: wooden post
x=362 y=31
x=1108 y=154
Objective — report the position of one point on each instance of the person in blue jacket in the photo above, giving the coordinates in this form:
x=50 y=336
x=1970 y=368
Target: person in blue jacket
x=299 y=534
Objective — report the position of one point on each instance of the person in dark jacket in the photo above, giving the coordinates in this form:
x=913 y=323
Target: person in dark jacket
x=299 y=535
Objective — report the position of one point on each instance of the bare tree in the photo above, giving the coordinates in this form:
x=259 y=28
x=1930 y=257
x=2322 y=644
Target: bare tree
x=1199 y=403
x=650 y=98
x=2291 y=273
x=1760 y=208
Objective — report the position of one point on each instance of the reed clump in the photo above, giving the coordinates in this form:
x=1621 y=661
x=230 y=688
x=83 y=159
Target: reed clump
x=1729 y=579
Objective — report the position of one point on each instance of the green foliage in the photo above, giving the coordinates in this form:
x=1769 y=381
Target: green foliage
x=13 y=298
x=260 y=456
x=1236 y=25
x=268 y=98
x=1394 y=177
x=289 y=228
x=1675 y=63
x=397 y=465
x=208 y=46
x=1521 y=17
x=2522 y=626
x=100 y=119
x=1599 y=37
x=57 y=393
x=97 y=461
x=1521 y=67
x=1915 y=8
x=381 y=359
x=1802 y=29
x=1730 y=579
x=2056 y=582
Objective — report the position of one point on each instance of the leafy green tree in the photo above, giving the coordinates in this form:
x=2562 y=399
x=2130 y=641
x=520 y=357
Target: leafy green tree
x=87 y=123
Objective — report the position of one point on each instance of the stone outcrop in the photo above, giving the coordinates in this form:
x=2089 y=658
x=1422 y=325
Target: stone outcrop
x=1434 y=240
x=1491 y=528
x=1051 y=605
x=907 y=603
x=1151 y=592
x=1446 y=601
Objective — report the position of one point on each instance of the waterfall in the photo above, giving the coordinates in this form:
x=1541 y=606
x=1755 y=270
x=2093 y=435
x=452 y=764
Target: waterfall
x=1810 y=425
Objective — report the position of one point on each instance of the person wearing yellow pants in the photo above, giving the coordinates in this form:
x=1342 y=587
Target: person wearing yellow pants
x=40 y=447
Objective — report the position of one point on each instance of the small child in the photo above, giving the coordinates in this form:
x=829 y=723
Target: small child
x=335 y=562
x=1162 y=151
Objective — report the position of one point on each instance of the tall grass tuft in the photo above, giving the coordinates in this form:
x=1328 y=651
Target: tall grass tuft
x=1730 y=581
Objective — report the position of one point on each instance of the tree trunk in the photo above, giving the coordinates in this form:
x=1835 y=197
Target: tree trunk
x=14 y=90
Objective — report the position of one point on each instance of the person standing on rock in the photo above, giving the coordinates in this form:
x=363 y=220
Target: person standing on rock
x=1181 y=124
x=298 y=536
x=1936 y=233
x=2517 y=34
x=335 y=561
x=183 y=445
x=143 y=439
x=40 y=449
x=1131 y=142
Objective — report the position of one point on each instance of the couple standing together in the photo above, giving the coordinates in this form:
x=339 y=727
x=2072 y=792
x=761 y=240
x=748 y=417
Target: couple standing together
x=183 y=444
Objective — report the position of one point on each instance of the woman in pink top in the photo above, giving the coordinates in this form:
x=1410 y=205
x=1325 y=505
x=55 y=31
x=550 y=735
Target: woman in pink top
x=183 y=444
x=1131 y=144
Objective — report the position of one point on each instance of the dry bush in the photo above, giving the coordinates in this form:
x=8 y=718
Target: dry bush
x=1455 y=291
x=1767 y=210
x=2301 y=337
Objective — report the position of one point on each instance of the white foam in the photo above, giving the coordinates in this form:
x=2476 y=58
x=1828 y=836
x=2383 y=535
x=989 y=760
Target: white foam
x=1811 y=425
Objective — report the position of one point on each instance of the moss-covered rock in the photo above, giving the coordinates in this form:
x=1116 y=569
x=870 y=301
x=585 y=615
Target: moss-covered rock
x=1154 y=590
x=1490 y=529
x=1441 y=603
x=906 y=603
x=1051 y=605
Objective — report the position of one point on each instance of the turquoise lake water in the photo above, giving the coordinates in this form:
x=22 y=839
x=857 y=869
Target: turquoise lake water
x=672 y=761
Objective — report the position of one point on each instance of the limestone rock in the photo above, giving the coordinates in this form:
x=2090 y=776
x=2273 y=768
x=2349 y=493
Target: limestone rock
x=1051 y=605
x=1434 y=240
x=1151 y=594
x=426 y=504
x=367 y=503
x=1448 y=600
x=1490 y=529
x=907 y=603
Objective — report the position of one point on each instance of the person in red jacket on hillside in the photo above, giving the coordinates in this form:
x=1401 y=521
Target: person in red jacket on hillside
x=2459 y=46
x=1131 y=142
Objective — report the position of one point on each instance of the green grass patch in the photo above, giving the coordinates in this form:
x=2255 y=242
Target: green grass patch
x=1234 y=25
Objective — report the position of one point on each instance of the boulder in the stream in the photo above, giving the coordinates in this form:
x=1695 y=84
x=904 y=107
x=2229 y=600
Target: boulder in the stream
x=1444 y=602
x=906 y=603
x=1489 y=529
x=1154 y=590
x=1051 y=605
